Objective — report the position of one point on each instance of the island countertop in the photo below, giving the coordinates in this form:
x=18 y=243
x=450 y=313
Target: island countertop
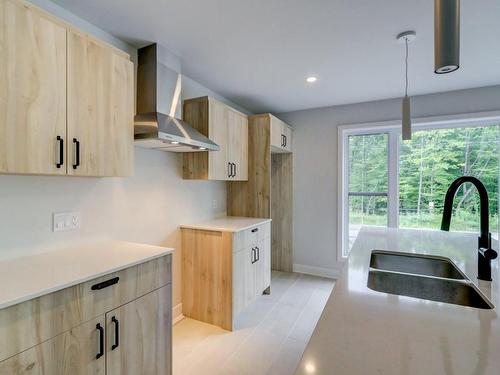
x=362 y=331
x=228 y=224
x=32 y=276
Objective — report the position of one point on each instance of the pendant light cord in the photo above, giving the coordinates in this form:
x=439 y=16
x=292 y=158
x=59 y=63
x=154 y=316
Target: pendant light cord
x=406 y=65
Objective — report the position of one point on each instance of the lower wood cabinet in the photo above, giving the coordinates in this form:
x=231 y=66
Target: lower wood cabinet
x=138 y=336
x=130 y=333
x=223 y=272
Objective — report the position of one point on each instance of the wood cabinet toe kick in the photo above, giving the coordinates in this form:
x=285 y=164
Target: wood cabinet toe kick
x=94 y=327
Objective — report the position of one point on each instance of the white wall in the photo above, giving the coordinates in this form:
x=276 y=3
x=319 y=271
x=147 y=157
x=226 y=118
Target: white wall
x=315 y=163
x=148 y=207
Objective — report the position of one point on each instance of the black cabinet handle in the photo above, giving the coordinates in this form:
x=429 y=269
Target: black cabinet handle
x=229 y=169
x=105 y=284
x=117 y=333
x=252 y=256
x=60 y=163
x=76 y=142
x=255 y=230
x=100 y=353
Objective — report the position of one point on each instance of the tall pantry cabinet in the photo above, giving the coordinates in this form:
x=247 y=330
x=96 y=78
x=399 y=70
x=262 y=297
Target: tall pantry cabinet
x=268 y=191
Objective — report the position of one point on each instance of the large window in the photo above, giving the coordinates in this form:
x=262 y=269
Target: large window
x=390 y=182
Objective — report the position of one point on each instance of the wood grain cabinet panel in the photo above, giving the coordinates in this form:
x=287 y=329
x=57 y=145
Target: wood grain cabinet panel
x=223 y=272
x=226 y=127
x=33 y=91
x=139 y=336
x=71 y=353
x=100 y=109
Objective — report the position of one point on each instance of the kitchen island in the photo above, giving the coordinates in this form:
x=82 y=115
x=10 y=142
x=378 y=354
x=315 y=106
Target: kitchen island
x=362 y=331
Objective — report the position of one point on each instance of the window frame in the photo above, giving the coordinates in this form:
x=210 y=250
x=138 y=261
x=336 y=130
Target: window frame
x=393 y=129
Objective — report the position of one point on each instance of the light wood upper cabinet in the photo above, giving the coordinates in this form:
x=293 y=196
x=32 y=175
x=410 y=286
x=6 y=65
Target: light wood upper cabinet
x=226 y=127
x=33 y=91
x=218 y=128
x=281 y=135
x=139 y=334
x=100 y=109
x=73 y=352
x=67 y=100
x=238 y=145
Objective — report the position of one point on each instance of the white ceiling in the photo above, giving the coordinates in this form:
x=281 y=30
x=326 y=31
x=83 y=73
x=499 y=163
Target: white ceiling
x=258 y=53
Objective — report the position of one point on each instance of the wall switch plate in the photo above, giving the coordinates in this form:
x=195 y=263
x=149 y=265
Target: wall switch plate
x=62 y=221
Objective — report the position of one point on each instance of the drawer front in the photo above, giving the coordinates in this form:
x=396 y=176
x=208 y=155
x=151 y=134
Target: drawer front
x=251 y=237
x=34 y=321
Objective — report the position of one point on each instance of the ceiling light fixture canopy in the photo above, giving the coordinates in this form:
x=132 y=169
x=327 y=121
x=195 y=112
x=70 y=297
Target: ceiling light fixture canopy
x=446 y=36
x=311 y=79
x=406 y=37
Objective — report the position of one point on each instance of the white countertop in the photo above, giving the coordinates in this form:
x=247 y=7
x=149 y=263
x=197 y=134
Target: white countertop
x=28 y=277
x=362 y=331
x=228 y=224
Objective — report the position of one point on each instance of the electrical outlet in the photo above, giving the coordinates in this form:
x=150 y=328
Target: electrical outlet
x=62 y=221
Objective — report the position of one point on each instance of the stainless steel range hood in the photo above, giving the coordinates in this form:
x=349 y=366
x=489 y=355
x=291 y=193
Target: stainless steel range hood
x=156 y=125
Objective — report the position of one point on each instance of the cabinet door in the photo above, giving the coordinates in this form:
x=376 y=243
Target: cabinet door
x=139 y=336
x=33 y=91
x=276 y=133
x=100 y=109
x=287 y=134
x=240 y=260
x=250 y=275
x=238 y=130
x=265 y=257
x=260 y=268
x=73 y=352
x=218 y=161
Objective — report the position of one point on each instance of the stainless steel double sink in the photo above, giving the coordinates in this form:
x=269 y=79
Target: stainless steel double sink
x=423 y=276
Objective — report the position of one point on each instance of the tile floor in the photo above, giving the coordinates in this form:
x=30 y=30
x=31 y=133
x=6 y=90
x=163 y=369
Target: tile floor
x=270 y=335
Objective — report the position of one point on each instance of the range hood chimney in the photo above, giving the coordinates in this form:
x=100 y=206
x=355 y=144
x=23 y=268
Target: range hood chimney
x=156 y=125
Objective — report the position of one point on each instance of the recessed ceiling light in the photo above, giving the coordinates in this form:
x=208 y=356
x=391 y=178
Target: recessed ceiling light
x=311 y=79
x=174 y=143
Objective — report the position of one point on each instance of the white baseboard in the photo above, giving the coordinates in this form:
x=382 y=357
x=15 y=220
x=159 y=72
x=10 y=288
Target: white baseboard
x=332 y=273
x=177 y=314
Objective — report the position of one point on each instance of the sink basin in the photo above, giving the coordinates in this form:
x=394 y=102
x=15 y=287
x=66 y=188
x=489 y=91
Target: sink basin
x=458 y=292
x=428 y=265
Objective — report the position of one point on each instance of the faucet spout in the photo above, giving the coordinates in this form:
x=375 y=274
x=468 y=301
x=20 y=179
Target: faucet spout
x=485 y=252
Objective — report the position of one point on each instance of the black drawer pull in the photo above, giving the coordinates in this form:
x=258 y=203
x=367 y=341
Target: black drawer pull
x=105 y=284
x=253 y=255
x=76 y=142
x=61 y=152
x=101 y=341
x=255 y=230
x=117 y=333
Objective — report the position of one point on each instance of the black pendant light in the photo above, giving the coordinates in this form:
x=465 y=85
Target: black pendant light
x=446 y=36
